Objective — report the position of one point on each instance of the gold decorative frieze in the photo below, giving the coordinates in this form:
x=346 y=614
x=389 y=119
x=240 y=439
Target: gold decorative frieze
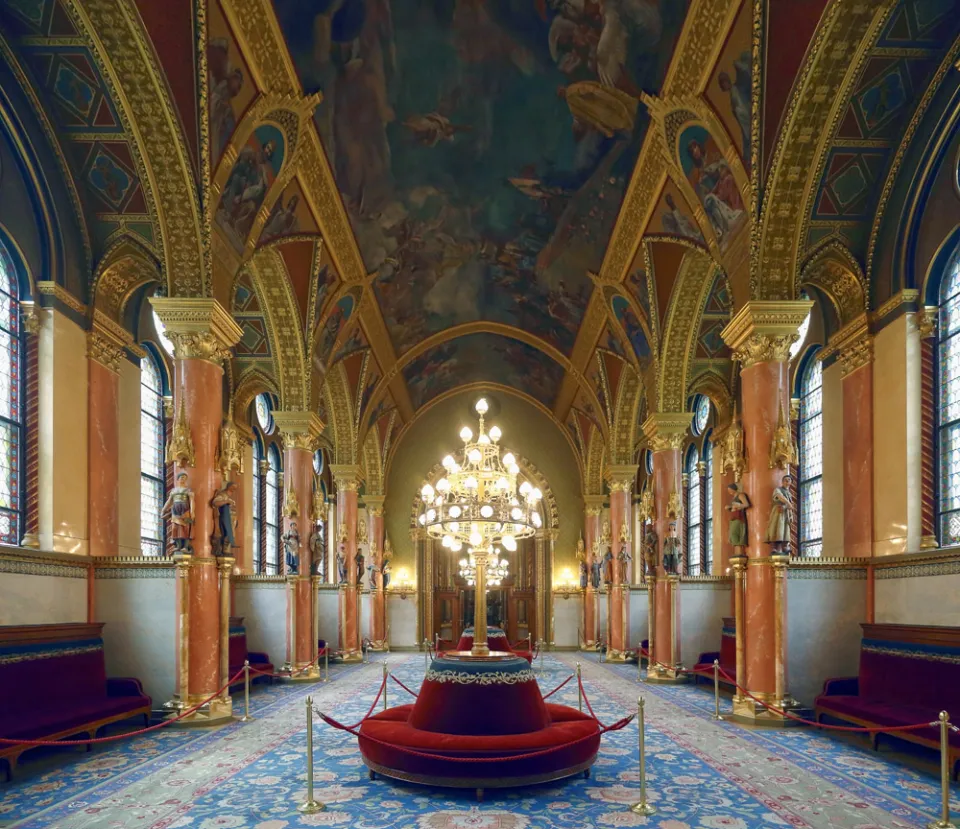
x=852 y=345
x=200 y=329
x=762 y=331
x=667 y=430
x=908 y=297
x=62 y=295
x=104 y=350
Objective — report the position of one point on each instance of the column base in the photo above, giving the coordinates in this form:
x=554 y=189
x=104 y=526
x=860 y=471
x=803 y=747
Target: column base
x=618 y=656
x=927 y=542
x=218 y=711
x=658 y=675
x=379 y=647
x=749 y=712
x=352 y=656
x=301 y=673
x=590 y=646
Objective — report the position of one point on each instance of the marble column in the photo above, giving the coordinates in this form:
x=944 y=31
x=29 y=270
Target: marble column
x=347 y=479
x=378 y=595
x=591 y=596
x=202 y=332
x=31 y=426
x=760 y=335
x=666 y=433
x=105 y=350
x=299 y=432
x=620 y=480
x=927 y=329
x=856 y=365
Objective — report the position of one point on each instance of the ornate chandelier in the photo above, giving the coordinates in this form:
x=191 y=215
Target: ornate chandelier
x=478 y=504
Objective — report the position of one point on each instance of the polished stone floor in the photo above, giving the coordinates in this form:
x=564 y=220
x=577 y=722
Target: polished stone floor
x=702 y=774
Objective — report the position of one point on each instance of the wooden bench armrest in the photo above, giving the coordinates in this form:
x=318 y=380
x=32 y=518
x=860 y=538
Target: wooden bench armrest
x=841 y=686
x=124 y=686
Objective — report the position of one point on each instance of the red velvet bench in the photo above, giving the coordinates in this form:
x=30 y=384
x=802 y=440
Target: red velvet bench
x=727 y=656
x=479 y=709
x=239 y=653
x=908 y=674
x=496 y=641
x=53 y=685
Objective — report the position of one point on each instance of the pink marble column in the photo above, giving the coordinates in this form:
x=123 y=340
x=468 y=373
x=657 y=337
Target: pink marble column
x=621 y=479
x=591 y=527
x=858 y=460
x=760 y=335
x=347 y=478
x=103 y=443
x=667 y=477
x=201 y=332
x=378 y=595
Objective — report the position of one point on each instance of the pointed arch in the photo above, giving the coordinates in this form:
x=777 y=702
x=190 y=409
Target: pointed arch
x=835 y=272
x=252 y=382
x=595 y=464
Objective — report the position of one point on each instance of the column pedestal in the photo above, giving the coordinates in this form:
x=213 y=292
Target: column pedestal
x=669 y=671
x=349 y=596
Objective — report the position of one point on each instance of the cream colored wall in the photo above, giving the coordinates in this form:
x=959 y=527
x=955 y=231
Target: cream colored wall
x=62 y=404
x=526 y=431
x=128 y=501
x=832 y=461
x=896 y=438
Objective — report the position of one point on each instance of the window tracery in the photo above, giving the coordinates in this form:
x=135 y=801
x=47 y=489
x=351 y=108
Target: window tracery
x=693 y=514
x=811 y=459
x=152 y=472
x=948 y=410
x=10 y=408
x=708 y=507
x=257 y=509
x=271 y=514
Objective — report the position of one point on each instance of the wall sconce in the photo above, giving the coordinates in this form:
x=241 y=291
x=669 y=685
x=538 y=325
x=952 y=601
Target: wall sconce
x=403 y=585
x=567 y=585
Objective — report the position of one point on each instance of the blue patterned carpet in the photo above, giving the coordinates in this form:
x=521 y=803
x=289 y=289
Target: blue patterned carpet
x=702 y=774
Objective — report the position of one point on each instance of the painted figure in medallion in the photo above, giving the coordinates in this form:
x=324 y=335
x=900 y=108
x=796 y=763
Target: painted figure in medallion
x=738 y=506
x=179 y=508
x=225 y=505
x=342 y=564
x=781 y=519
x=671 y=550
x=291 y=547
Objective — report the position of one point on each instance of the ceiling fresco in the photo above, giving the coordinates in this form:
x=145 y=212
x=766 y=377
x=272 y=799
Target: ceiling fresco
x=482 y=358
x=482 y=150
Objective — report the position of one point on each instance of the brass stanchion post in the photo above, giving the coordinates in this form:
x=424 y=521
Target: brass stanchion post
x=944 y=822
x=310 y=806
x=426 y=654
x=540 y=644
x=246 y=692
x=326 y=663
x=641 y=807
x=639 y=661
x=716 y=690
x=579 y=690
x=384 y=686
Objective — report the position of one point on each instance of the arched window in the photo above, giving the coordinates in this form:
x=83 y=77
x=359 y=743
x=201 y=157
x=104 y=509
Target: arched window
x=257 y=509
x=693 y=515
x=151 y=458
x=10 y=383
x=271 y=514
x=811 y=458
x=708 y=507
x=949 y=409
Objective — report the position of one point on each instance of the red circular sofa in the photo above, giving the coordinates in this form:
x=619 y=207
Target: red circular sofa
x=476 y=724
x=496 y=641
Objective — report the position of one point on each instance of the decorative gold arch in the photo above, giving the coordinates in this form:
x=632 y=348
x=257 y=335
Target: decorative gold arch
x=373 y=464
x=252 y=382
x=842 y=42
x=125 y=268
x=834 y=271
x=594 y=464
x=626 y=417
x=339 y=409
x=713 y=385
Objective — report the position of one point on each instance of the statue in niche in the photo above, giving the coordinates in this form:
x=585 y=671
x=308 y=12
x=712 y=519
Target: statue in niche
x=291 y=549
x=650 y=543
x=608 y=566
x=605 y=532
x=385 y=571
x=671 y=550
x=318 y=551
x=595 y=566
x=342 y=564
x=781 y=519
x=359 y=560
x=584 y=570
x=225 y=506
x=738 y=506
x=623 y=563
x=179 y=508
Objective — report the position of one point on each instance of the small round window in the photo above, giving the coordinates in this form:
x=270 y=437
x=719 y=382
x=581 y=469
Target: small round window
x=701 y=414
x=264 y=416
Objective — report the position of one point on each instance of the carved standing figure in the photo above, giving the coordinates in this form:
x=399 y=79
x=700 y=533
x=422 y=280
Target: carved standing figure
x=318 y=551
x=385 y=572
x=671 y=550
x=342 y=564
x=358 y=559
x=738 y=506
x=595 y=568
x=291 y=548
x=225 y=505
x=179 y=508
x=584 y=574
x=781 y=518
x=623 y=562
x=608 y=566
x=650 y=543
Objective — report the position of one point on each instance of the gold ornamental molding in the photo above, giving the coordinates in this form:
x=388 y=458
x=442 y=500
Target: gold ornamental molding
x=841 y=44
x=346 y=476
x=620 y=477
x=299 y=430
x=907 y=297
x=667 y=430
x=62 y=295
x=123 y=270
x=852 y=345
x=198 y=328
x=927 y=318
x=835 y=272
x=158 y=142
x=103 y=348
x=763 y=330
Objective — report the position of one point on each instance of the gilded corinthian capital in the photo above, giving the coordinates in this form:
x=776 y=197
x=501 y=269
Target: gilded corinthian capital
x=667 y=430
x=762 y=331
x=200 y=329
x=299 y=430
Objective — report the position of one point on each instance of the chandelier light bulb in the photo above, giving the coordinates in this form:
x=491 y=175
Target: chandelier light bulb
x=486 y=511
x=513 y=469
x=463 y=562
x=438 y=500
x=536 y=494
x=482 y=406
x=470 y=483
x=454 y=511
x=503 y=484
x=443 y=485
x=448 y=463
x=466 y=434
x=457 y=546
x=509 y=459
x=455 y=525
x=535 y=518
x=516 y=513
x=495 y=434
x=525 y=488
x=431 y=514
x=423 y=518
x=427 y=492
x=474 y=455
x=510 y=543
x=475 y=538
x=484 y=440
x=447 y=541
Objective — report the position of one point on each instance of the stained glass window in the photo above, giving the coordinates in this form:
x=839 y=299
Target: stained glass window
x=271 y=513
x=151 y=458
x=708 y=507
x=701 y=414
x=264 y=416
x=811 y=459
x=257 y=510
x=10 y=378
x=648 y=462
x=693 y=513
x=949 y=410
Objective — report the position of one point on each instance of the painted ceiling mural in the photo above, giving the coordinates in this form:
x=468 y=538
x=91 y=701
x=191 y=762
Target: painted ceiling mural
x=482 y=149
x=482 y=358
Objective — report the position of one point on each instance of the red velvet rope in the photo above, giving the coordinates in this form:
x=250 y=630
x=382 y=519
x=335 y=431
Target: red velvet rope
x=351 y=728
x=405 y=688
x=164 y=724
x=547 y=696
x=303 y=670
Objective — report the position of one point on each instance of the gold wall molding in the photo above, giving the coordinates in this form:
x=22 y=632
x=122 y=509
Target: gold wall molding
x=346 y=476
x=907 y=297
x=852 y=345
x=105 y=351
x=62 y=295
